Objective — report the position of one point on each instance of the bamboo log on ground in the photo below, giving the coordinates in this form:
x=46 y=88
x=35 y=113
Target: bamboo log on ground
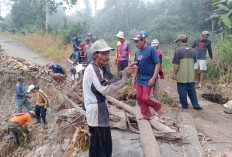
x=122 y=105
x=187 y=128
x=147 y=138
x=155 y=124
x=160 y=126
x=74 y=105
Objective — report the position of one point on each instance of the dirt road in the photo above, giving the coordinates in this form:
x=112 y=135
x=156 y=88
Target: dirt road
x=14 y=48
x=213 y=125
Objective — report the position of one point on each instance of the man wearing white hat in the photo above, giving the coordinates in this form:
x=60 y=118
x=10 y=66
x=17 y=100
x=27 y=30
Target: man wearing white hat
x=123 y=52
x=95 y=89
x=41 y=101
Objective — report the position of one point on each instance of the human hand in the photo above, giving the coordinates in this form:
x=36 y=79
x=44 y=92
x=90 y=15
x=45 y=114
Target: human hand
x=27 y=96
x=45 y=106
x=132 y=68
x=213 y=61
x=162 y=76
x=151 y=82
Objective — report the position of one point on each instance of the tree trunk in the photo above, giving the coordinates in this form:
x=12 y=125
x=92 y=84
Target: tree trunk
x=160 y=126
x=147 y=138
x=122 y=105
x=191 y=142
x=47 y=16
x=74 y=105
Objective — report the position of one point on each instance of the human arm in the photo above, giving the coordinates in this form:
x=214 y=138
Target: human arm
x=210 y=53
x=156 y=61
x=129 y=51
x=133 y=83
x=116 y=54
x=176 y=62
x=19 y=90
x=175 y=69
x=105 y=87
x=161 y=70
x=194 y=44
x=152 y=80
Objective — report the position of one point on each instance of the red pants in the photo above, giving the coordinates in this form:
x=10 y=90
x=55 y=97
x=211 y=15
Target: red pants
x=144 y=100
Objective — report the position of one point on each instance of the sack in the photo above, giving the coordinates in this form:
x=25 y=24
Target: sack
x=81 y=139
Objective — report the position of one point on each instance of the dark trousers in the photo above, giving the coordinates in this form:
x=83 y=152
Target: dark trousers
x=100 y=142
x=40 y=110
x=122 y=64
x=185 y=89
x=17 y=130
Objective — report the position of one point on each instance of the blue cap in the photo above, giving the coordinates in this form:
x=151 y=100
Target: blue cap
x=20 y=78
x=145 y=33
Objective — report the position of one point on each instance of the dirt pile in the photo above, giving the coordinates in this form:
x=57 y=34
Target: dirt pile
x=44 y=140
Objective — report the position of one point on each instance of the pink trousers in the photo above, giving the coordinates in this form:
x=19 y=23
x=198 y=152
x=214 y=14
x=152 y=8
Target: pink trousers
x=145 y=100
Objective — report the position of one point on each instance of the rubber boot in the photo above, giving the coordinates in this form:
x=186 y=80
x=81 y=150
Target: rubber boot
x=44 y=121
x=38 y=120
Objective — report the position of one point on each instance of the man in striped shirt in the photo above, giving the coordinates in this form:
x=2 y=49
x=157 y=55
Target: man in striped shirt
x=123 y=52
x=41 y=101
x=95 y=88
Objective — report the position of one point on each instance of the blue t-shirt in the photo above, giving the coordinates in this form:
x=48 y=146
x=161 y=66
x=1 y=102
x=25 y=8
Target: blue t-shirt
x=146 y=59
x=57 y=69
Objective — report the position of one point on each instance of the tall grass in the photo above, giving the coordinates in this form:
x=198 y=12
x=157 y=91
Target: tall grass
x=222 y=51
x=47 y=45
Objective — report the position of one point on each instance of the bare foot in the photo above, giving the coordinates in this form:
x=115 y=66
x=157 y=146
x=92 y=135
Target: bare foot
x=141 y=117
x=160 y=112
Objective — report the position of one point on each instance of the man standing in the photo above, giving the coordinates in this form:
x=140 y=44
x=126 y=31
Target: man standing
x=41 y=101
x=155 y=43
x=95 y=87
x=144 y=80
x=183 y=60
x=58 y=73
x=21 y=96
x=146 y=38
x=77 y=76
x=123 y=52
x=90 y=36
x=200 y=47
x=18 y=126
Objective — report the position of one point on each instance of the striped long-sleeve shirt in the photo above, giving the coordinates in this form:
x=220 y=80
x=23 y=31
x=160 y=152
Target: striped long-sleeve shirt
x=40 y=98
x=123 y=51
x=95 y=87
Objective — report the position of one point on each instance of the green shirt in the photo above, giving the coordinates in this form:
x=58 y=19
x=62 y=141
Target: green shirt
x=185 y=58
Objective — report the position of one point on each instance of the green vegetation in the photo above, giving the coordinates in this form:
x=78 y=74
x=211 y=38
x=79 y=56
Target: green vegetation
x=165 y=99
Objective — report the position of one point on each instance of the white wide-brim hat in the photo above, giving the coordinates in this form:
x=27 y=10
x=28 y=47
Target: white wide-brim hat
x=120 y=35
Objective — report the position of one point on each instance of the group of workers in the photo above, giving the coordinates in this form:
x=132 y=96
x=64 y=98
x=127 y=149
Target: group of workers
x=19 y=123
x=144 y=70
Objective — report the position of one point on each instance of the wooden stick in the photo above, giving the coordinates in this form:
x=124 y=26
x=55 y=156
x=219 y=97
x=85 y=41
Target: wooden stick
x=188 y=129
x=74 y=105
x=147 y=138
x=160 y=126
x=122 y=105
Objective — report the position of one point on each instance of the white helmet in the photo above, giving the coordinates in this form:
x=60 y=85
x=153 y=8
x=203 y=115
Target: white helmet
x=30 y=88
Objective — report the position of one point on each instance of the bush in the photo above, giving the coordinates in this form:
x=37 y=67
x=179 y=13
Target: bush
x=78 y=29
x=222 y=54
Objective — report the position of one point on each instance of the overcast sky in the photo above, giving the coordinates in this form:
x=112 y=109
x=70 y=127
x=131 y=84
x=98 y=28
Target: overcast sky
x=6 y=6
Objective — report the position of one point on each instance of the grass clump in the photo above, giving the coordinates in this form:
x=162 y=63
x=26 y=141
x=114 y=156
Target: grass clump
x=165 y=99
